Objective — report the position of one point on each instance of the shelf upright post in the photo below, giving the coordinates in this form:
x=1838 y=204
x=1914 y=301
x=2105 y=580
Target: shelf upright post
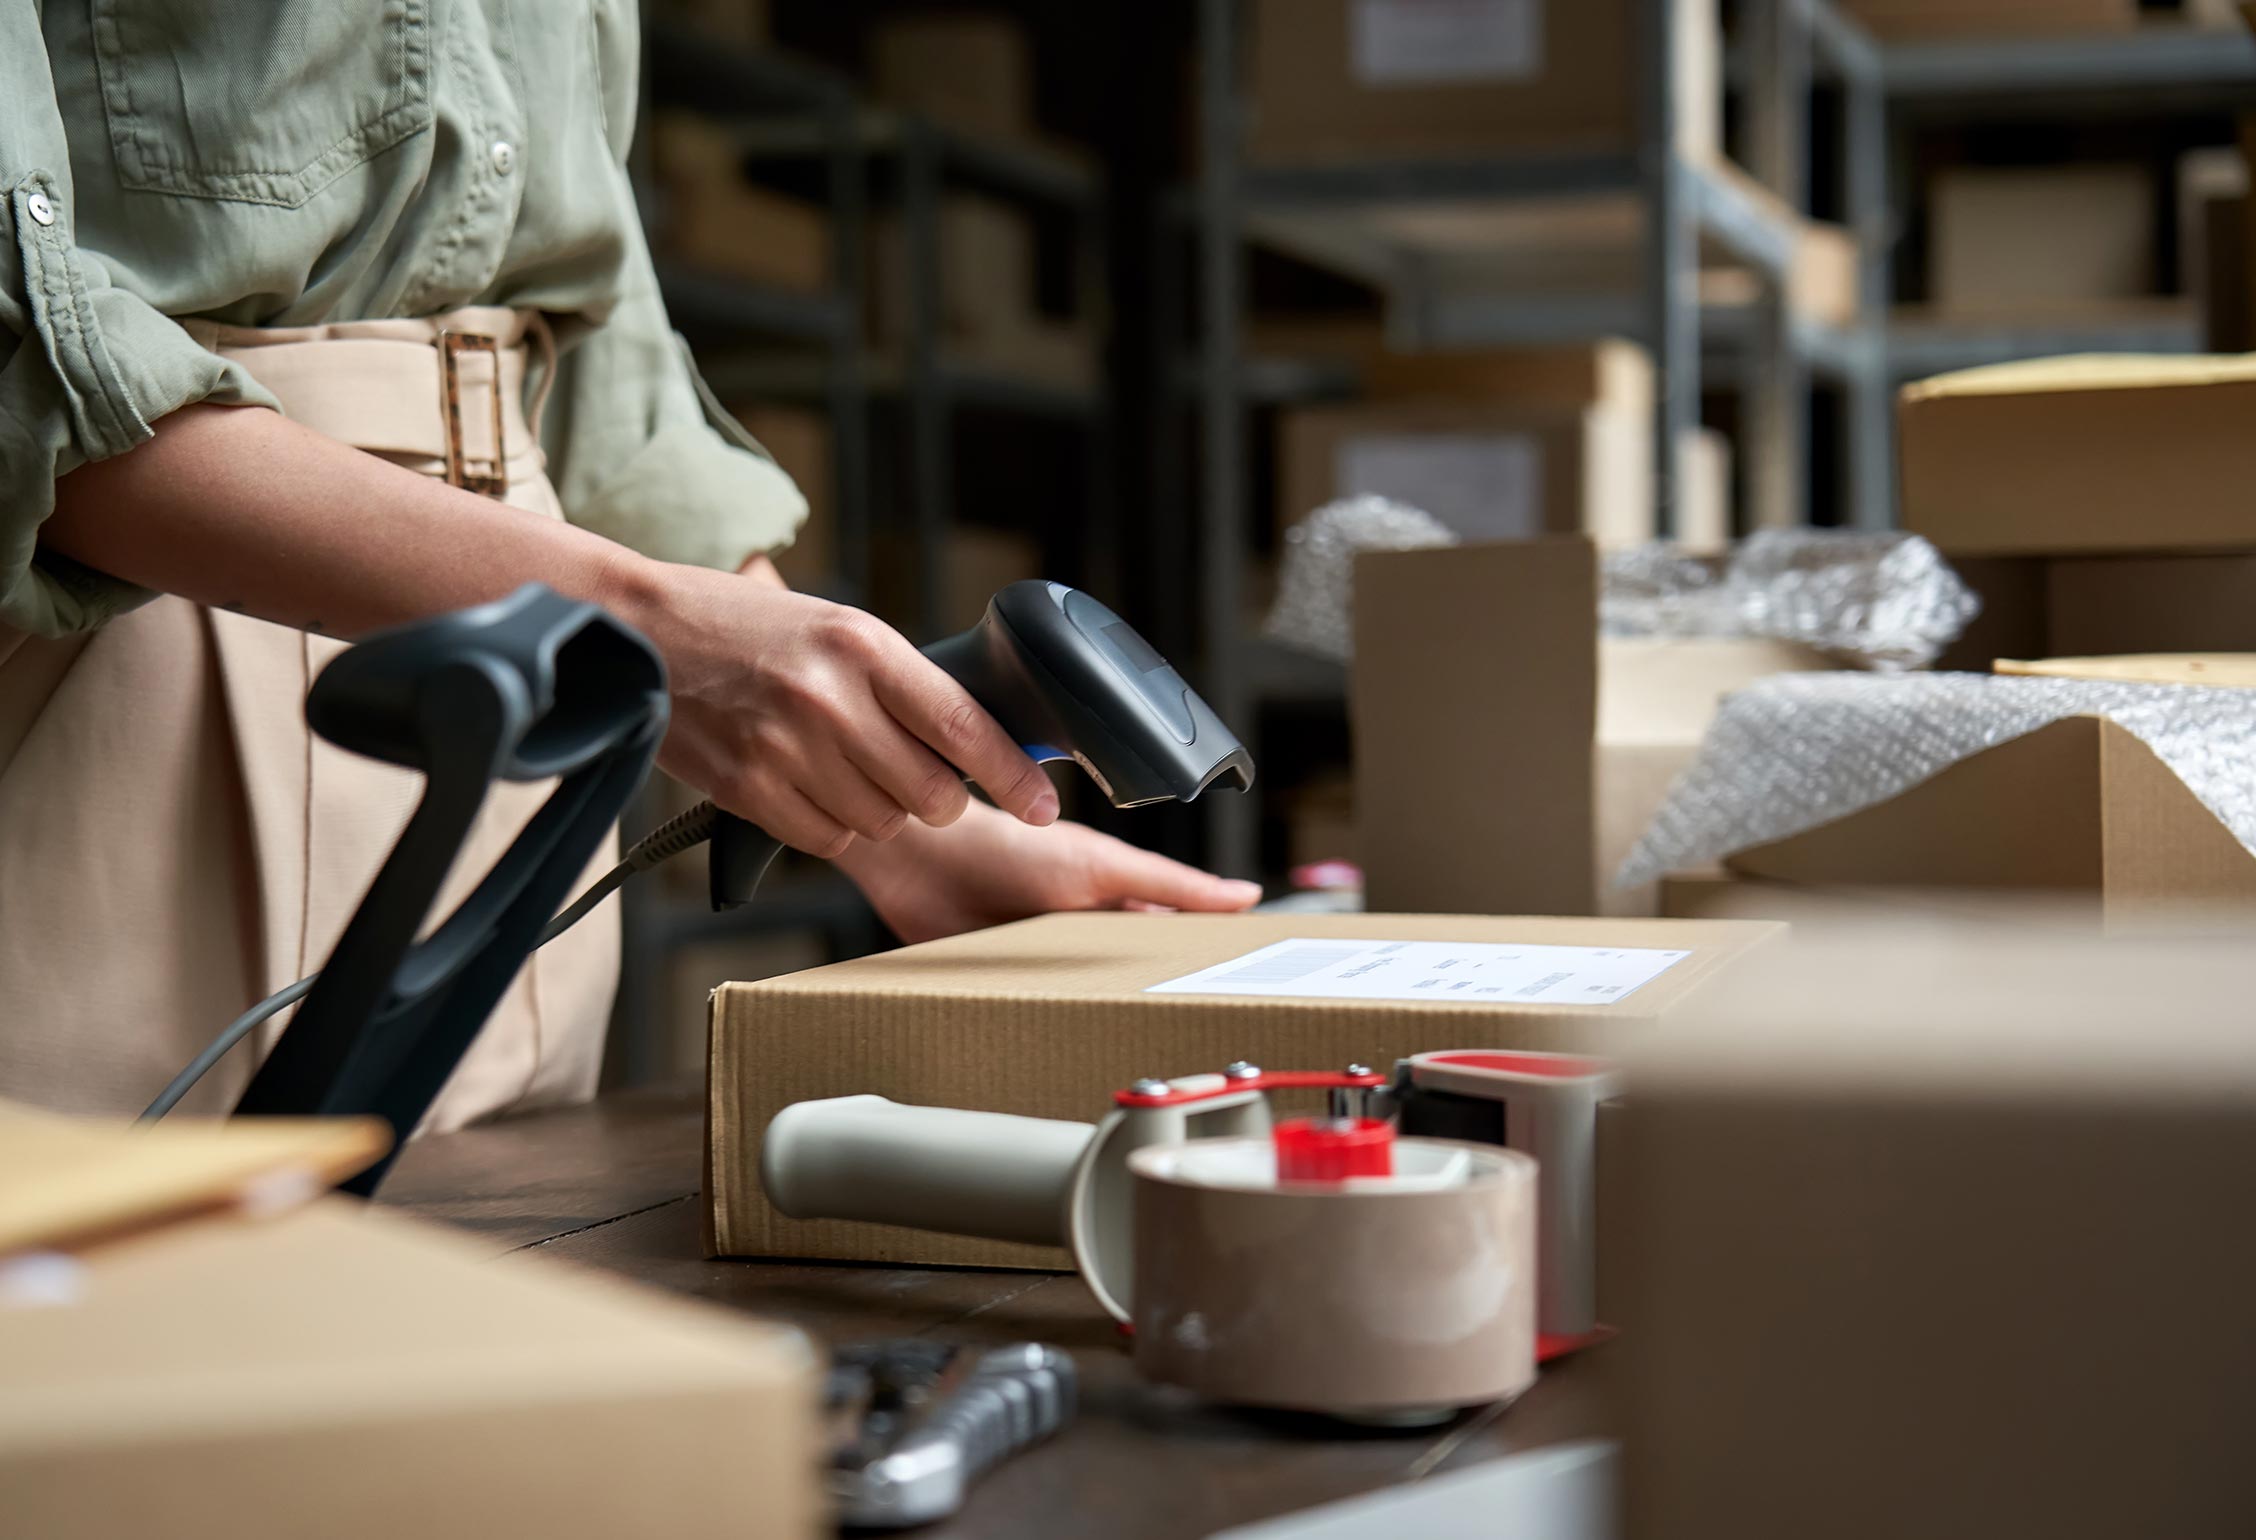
x=930 y=470
x=1777 y=388
x=1672 y=257
x=846 y=179
x=1232 y=828
x=1865 y=146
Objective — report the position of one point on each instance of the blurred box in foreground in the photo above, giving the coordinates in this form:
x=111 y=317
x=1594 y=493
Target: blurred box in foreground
x=1507 y=757
x=342 y=1372
x=1379 y=79
x=1943 y=1239
x=2062 y=456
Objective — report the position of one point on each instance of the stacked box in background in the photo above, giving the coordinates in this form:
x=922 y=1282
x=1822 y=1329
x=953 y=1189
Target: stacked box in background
x=971 y=71
x=1381 y=79
x=2027 y=240
x=1935 y=20
x=712 y=219
x=1505 y=444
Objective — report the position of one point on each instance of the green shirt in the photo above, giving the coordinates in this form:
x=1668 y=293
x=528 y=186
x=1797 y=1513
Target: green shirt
x=296 y=162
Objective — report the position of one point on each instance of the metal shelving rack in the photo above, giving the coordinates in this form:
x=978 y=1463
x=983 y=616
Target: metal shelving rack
x=1683 y=201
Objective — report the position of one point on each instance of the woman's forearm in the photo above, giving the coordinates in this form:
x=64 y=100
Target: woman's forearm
x=239 y=508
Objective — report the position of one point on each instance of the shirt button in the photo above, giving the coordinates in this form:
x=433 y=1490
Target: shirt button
x=41 y=211
x=504 y=157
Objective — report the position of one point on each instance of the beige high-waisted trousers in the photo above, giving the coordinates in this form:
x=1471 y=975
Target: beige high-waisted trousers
x=175 y=843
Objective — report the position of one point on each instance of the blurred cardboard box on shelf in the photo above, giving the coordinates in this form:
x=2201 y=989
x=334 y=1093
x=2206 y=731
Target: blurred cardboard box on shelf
x=714 y=220
x=2021 y=241
x=1609 y=373
x=1918 y=20
x=2082 y=455
x=343 y=1372
x=970 y=70
x=798 y=440
x=1507 y=757
x=1488 y=471
x=1887 y=1204
x=1340 y=80
x=2078 y=806
x=1047 y=1018
x=986 y=270
x=730 y=21
x=1320 y=821
x=1823 y=282
x=974 y=561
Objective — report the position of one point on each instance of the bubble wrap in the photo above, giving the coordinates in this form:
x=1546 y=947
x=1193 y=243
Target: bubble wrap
x=1882 y=601
x=1315 y=591
x=1799 y=750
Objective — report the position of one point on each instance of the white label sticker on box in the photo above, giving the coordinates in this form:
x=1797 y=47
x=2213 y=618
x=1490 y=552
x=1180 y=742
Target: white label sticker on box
x=1452 y=972
x=1484 y=486
x=1429 y=42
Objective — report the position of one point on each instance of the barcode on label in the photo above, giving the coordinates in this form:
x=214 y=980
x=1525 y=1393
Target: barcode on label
x=1292 y=963
x=1543 y=983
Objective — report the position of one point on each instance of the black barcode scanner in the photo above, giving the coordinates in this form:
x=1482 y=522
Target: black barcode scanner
x=536 y=686
x=1068 y=679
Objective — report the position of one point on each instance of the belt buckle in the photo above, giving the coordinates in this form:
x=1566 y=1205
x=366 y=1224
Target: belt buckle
x=491 y=476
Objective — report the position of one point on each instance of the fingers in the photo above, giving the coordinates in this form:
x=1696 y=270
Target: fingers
x=1139 y=879
x=912 y=777
x=780 y=808
x=932 y=706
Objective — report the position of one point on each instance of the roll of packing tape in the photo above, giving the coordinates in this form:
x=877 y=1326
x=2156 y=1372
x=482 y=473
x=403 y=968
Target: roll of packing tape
x=1369 y=1298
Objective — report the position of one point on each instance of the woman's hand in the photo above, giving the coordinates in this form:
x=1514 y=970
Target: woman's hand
x=987 y=869
x=815 y=721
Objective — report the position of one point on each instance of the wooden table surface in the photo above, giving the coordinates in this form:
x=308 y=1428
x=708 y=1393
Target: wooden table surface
x=614 y=1185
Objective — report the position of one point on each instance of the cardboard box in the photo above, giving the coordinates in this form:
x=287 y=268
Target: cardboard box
x=1705 y=516
x=711 y=218
x=1718 y=894
x=2095 y=606
x=1609 y=372
x=2041 y=239
x=1048 y=1017
x=1918 y=20
x=1320 y=821
x=343 y=1372
x=971 y=71
x=1488 y=472
x=2083 y=455
x=986 y=270
x=731 y=21
x=974 y=562
x=1379 y=79
x=799 y=442
x=1507 y=758
x=1900 y=1216
x=2078 y=805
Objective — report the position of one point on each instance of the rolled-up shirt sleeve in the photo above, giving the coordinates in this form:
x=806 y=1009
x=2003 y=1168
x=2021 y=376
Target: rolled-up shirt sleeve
x=86 y=366
x=643 y=454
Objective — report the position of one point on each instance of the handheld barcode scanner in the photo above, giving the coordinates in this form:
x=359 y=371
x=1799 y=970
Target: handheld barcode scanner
x=1068 y=679
x=537 y=686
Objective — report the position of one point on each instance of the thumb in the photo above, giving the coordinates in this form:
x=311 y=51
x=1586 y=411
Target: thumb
x=1132 y=878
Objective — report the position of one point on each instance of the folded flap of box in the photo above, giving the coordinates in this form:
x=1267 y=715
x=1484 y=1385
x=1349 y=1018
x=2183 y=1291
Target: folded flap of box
x=64 y=1180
